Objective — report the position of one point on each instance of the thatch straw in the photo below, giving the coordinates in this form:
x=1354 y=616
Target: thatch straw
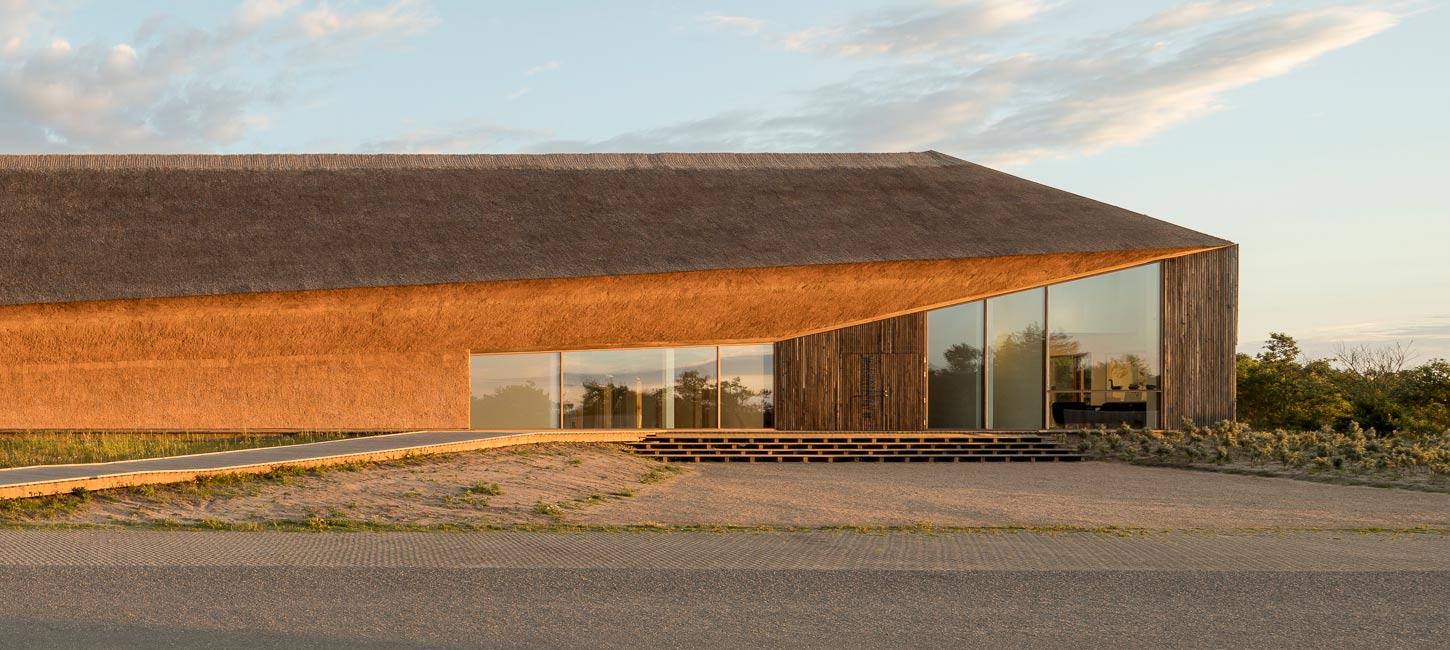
x=563 y=162
x=397 y=357
x=85 y=228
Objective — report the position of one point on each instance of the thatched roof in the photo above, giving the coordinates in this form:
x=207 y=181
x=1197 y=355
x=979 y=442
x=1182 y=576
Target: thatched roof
x=75 y=228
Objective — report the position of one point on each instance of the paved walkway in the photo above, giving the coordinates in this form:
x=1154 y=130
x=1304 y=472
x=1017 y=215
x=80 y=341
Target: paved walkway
x=149 y=589
x=824 y=550
x=56 y=479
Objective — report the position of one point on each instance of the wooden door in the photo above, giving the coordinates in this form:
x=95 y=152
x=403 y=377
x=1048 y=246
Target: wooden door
x=881 y=392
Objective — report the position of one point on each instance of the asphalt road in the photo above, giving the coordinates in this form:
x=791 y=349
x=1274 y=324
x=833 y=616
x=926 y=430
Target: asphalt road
x=272 y=607
x=133 y=589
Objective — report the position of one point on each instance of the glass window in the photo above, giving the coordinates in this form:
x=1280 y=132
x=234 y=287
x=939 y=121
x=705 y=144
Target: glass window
x=1104 y=349
x=661 y=388
x=514 y=391
x=954 y=367
x=1015 y=360
x=747 y=378
x=691 y=401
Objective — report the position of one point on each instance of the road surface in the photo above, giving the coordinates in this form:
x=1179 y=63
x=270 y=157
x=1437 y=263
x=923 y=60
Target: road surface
x=139 y=589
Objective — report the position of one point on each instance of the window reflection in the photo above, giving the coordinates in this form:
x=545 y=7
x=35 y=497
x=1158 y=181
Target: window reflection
x=747 y=381
x=640 y=389
x=1015 y=360
x=514 y=391
x=954 y=367
x=1104 y=368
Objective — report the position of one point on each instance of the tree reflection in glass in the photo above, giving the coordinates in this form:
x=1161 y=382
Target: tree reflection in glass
x=661 y=388
x=747 y=386
x=514 y=391
x=1015 y=360
x=954 y=367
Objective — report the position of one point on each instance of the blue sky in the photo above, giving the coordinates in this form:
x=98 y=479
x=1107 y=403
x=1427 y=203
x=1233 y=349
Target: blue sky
x=1313 y=133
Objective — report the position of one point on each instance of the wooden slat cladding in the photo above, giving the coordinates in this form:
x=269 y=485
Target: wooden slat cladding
x=1200 y=333
x=868 y=377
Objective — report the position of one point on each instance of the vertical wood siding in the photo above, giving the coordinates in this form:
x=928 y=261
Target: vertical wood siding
x=1200 y=334
x=869 y=377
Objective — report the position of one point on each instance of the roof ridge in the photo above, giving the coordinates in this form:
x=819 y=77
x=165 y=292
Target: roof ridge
x=551 y=161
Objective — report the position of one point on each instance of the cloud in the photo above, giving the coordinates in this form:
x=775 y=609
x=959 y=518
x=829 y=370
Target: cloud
x=742 y=24
x=254 y=13
x=518 y=93
x=920 y=29
x=401 y=17
x=1019 y=104
x=16 y=19
x=453 y=138
x=171 y=88
x=1195 y=13
x=543 y=67
x=1436 y=328
x=1427 y=338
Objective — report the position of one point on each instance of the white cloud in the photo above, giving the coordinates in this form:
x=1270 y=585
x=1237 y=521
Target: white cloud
x=946 y=26
x=543 y=67
x=16 y=19
x=254 y=13
x=1094 y=105
x=173 y=88
x=1427 y=337
x=401 y=17
x=1197 y=13
x=742 y=24
x=1071 y=97
x=121 y=57
x=518 y=93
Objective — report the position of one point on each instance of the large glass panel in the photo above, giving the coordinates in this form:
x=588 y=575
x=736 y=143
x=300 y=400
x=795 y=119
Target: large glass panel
x=1015 y=360
x=660 y=388
x=747 y=379
x=691 y=401
x=1104 y=366
x=514 y=391
x=954 y=367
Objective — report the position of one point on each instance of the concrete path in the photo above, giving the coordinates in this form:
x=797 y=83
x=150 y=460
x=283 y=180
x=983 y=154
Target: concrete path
x=149 y=589
x=40 y=480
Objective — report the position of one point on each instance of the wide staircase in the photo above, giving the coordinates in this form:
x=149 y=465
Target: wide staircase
x=837 y=447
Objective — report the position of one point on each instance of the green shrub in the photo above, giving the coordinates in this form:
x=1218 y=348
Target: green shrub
x=1372 y=388
x=1354 y=449
x=487 y=489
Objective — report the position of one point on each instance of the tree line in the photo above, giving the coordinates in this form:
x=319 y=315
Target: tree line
x=1372 y=388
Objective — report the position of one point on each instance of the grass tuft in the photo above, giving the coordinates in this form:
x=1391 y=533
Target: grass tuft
x=661 y=472
x=486 y=489
x=28 y=448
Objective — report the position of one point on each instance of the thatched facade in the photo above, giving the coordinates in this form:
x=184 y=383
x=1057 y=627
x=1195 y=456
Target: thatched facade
x=346 y=292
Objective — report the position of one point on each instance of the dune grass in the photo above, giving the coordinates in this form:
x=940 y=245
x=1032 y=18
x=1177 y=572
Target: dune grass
x=1356 y=456
x=22 y=449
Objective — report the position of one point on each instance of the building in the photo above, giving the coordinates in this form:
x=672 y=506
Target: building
x=801 y=292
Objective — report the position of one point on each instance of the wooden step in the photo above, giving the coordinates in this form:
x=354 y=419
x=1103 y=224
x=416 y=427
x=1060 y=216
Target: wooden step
x=778 y=447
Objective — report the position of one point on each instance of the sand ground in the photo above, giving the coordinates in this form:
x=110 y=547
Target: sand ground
x=604 y=485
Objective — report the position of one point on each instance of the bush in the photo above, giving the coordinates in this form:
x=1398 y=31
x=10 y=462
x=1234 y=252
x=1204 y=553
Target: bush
x=1368 y=388
x=1352 y=450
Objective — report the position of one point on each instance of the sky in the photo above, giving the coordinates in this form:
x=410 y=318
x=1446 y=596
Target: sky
x=1313 y=133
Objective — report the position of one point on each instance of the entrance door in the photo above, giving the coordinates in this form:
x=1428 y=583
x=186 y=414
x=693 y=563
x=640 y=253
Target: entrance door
x=882 y=392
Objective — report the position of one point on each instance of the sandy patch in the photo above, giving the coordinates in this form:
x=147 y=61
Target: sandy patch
x=605 y=485
x=988 y=494
x=520 y=485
